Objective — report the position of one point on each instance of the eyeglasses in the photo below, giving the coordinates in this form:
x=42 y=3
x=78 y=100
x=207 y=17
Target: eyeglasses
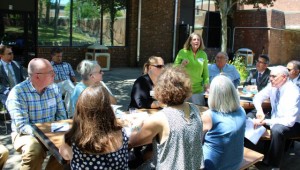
x=158 y=66
x=51 y=72
x=220 y=58
x=100 y=72
x=272 y=76
x=260 y=62
x=11 y=53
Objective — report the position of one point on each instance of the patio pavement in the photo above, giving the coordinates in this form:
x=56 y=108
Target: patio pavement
x=120 y=81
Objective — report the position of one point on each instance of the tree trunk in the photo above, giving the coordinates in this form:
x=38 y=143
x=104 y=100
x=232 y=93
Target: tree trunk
x=48 y=5
x=223 y=15
x=112 y=21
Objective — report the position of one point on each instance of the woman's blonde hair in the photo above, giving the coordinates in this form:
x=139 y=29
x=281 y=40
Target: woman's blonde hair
x=223 y=96
x=152 y=60
x=187 y=44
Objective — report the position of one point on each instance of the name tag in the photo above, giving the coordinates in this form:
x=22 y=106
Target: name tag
x=200 y=60
x=51 y=102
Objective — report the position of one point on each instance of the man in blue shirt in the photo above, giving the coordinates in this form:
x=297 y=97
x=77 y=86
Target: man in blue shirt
x=64 y=76
x=35 y=100
x=221 y=67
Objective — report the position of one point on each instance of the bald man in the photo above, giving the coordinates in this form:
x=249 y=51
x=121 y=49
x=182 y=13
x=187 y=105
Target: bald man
x=35 y=100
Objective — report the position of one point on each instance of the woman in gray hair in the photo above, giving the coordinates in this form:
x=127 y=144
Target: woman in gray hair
x=225 y=123
x=91 y=73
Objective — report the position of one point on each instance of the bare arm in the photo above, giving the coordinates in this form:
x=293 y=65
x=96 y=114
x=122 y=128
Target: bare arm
x=207 y=121
x=149 y=128
x=66 y=151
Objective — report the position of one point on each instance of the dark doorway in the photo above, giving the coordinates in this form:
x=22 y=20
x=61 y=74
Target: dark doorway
x=18 y=30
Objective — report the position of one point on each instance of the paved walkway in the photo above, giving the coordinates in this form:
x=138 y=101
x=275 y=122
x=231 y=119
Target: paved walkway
x=120 y=81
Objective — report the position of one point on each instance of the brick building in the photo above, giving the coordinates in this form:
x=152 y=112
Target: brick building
x=155 y=28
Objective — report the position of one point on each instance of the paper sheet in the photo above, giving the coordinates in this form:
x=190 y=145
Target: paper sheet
x=60 y=127
x=253 y=134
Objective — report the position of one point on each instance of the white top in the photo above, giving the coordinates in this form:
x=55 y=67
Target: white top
x=288 y=112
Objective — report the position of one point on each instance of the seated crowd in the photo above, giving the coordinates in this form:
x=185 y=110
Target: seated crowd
x=181 y=136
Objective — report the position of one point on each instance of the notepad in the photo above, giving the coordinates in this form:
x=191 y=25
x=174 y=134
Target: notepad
x=253 y=134
x=60 y=127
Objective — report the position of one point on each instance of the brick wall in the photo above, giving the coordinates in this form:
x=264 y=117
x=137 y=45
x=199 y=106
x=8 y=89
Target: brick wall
x=74 y=55
x=283 y=5
x=156 y=30
x=281 y=45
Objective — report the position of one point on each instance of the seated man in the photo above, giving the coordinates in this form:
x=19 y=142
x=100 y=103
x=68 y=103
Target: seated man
x=260 y=76
x=35 y=100
x=11 y=72
x=285 y=116
x=64 y=74
x=294 y=70
x=221 y=67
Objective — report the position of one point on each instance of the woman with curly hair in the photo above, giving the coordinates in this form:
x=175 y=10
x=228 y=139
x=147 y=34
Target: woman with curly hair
x=95 y=140
x=176 y=130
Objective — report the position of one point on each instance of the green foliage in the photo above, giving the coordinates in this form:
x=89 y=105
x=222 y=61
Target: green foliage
x=239 y=63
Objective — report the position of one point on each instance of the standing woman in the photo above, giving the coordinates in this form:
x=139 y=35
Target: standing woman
x=194 y=60
x=142 y=87
x=95 y=140
x=225 y=122
x=91 y=73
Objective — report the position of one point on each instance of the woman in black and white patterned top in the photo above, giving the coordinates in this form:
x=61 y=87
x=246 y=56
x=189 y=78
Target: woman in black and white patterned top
x=96 y=141
x=176 y=130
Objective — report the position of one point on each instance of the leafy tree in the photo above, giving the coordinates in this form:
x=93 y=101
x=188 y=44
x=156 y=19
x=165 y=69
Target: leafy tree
x=226 y=6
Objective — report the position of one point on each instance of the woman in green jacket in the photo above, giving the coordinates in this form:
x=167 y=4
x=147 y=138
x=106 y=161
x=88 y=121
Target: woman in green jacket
x=194 y=60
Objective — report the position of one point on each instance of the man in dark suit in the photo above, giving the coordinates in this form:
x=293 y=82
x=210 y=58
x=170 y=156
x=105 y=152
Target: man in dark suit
x=260 y=76
x=11 y=73
x=294 y=70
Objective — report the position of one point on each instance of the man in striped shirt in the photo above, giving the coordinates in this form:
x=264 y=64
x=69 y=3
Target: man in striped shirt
x=35 y=100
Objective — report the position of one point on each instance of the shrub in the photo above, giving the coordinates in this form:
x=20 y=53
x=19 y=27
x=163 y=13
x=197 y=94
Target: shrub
x=239 y=63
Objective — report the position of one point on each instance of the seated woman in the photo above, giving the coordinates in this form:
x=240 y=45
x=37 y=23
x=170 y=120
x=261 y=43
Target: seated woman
x=91 y=74
x=225 y=122
x=95 y=141
x=176 y=130
x=142 y=87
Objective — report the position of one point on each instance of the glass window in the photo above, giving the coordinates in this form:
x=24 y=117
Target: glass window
x=91 y=22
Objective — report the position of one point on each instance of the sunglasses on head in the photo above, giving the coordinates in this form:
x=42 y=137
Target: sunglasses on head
x=158 y=66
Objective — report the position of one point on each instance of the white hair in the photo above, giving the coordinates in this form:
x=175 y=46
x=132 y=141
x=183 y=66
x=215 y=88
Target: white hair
x=280 y=70
x=223 y=96
x=86 y=67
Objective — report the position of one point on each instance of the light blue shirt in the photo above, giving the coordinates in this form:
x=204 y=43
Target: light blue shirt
x=228 y=70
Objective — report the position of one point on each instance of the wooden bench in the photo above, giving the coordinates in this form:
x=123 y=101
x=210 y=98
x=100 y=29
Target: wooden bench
x=251 y=157
x=267 y=136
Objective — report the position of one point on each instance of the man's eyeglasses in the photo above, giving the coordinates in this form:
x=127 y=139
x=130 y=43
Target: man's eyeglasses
x=272 y=76
x=158 y=66
x=11 y=53
x=49 y=72
x=260 y=62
